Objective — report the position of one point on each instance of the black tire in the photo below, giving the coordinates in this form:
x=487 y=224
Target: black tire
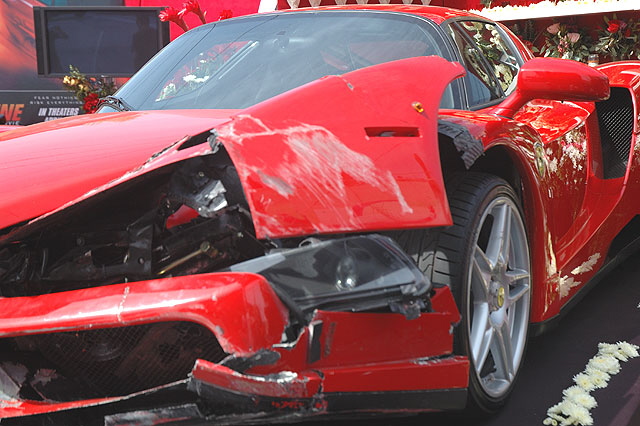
x=492 y=291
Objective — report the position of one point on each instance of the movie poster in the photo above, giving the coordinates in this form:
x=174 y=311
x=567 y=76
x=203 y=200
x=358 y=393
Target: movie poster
x=26 y=98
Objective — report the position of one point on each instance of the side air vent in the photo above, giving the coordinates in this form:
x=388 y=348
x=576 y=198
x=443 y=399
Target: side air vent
x=615 y=116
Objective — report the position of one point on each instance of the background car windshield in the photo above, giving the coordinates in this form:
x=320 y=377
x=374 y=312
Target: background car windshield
x=238 y=63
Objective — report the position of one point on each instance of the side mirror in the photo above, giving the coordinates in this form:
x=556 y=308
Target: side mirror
x=555 y=79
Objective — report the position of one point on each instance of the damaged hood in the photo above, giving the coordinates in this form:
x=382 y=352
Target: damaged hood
x=357 y=161
x=47 y=165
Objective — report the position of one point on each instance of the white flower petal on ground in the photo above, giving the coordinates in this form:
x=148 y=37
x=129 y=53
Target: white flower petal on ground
x=574 y=407
x=581 y=397
x=608 y=348
x=607 y=363
x=584 y=381
x=555 y=410
x=574 y=391
x=576 y=414
x=628 y=349
x=599 y=378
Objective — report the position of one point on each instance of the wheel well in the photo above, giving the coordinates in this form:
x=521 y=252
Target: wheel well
x=500 y=161
x=496 y=161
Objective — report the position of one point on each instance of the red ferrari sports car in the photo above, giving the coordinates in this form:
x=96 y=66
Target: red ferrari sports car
x=309 y=213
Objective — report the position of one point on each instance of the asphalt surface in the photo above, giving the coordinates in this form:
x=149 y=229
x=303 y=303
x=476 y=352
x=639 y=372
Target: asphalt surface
x=609 y=313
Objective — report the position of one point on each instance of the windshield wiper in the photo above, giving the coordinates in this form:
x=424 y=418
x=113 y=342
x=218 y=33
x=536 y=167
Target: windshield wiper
x=116 y=103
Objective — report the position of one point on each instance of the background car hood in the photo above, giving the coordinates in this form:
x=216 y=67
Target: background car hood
x=47 y=165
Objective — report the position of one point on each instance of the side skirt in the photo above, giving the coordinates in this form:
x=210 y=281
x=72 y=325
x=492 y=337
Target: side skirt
x=548 y=325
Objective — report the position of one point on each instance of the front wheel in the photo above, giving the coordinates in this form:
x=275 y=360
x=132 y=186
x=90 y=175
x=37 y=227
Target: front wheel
x=493 y=287
x=484 y=258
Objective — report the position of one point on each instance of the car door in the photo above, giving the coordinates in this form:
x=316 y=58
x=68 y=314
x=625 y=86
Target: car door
x=573 y=161
x=493 y=62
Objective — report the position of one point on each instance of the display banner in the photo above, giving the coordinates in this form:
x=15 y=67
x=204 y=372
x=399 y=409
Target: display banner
x=26 y=98
x=32 y=106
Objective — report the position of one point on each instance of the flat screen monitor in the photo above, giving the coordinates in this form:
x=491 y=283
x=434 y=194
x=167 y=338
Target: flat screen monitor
x=99 y=41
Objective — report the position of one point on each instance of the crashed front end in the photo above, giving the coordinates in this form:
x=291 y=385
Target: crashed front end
x=153 y=300
x=246 y=274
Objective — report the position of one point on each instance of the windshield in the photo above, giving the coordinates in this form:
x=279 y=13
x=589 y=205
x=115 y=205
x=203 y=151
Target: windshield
x=237 y=63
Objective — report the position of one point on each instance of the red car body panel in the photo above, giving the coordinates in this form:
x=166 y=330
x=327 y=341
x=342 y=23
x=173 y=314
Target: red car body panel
x=36 y=179
x=569 y=248
x=283 y=170
x=354 y=160
x=347 y=171
x=246 y=316
x=204 y=300
x=21 y=408
x=432 y=13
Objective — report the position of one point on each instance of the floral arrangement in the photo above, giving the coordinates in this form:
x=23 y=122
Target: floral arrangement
x=526 y=33
x=574 y=409
x=618 y=39
x=546 y=8
x=88 y=90
x=492 y=46
x=566 y=42
x=171 y=14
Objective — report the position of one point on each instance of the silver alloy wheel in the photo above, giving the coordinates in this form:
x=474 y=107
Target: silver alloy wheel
x=499 y=296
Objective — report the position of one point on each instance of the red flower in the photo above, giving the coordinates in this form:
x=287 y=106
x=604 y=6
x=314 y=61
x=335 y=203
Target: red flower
x=225 y=14
x=91 y=102
x=194 y=7
x=627 y=32
x=172 y=15
x=615 y=25
x=169 y=14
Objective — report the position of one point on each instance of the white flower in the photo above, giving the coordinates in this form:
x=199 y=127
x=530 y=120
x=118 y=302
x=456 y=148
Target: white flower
x=584 y=381
x=579 y=396
x=628 y=349
x=574 y=407
x=584 y=419
x=575 y=414
x=556 y=419
x=189 y=78
x=573 y=392
x=607 y=363
x=555 y=410
x=621 y=350
x=612 y=350
x=598 y=377
x=607 y=348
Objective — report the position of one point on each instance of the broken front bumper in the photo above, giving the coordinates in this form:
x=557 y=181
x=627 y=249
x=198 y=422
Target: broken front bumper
x=340 y=362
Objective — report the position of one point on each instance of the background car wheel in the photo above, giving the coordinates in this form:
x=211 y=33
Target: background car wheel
x=484 y=258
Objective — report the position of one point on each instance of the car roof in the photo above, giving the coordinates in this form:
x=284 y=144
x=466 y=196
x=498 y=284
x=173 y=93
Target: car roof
x=434 y=13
